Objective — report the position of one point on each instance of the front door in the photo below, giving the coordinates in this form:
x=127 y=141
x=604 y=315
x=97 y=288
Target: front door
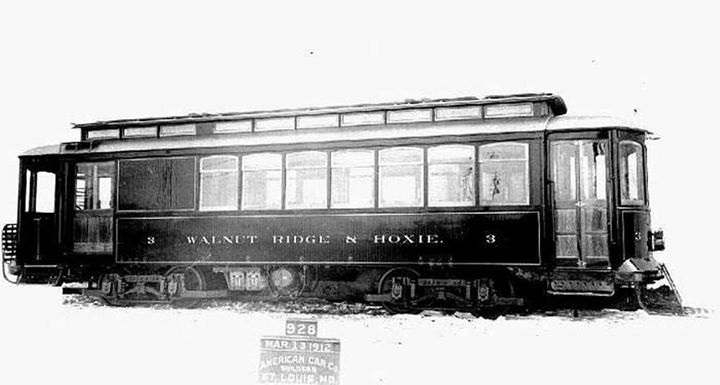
x=579 y=176
x=39 y=238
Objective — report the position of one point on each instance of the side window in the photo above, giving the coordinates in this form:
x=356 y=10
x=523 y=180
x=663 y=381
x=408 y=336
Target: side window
x=503 y=169
x=94 y=186
x=451 y=176
x=401 y=177
x=632 y=174
x=157 y=184
x=219 y=183
x=261 y=181
x=306 y=180
x=353 y=179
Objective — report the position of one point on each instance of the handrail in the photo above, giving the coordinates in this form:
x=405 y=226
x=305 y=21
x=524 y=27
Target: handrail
x=671 y=283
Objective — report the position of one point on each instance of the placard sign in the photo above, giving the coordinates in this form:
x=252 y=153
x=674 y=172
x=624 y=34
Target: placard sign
x=299 y=357
x=301 y=327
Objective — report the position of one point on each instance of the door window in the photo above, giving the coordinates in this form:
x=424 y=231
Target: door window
x=579 y=176
x=592 y=170
x=39 y=192
x=45 y=194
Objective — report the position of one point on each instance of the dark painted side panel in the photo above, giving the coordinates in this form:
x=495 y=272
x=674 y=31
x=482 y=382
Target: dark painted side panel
x=636 y=225
x=460 y=238
x=156 y=184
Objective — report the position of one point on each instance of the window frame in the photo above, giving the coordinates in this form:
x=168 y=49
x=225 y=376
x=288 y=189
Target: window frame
x=473 y=173
x=422 y=150
x=241 y=180
x=278 y=162
x=202 y=172
x=44 y=201
x=325 y=167
x=95 y=186
x=479 y=161
x=642 y=200
x=373 y=166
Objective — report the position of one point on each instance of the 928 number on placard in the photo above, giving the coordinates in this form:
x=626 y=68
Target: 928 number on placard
x=301 y=328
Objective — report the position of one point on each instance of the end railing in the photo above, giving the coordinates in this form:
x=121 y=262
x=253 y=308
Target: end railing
x=9 y=251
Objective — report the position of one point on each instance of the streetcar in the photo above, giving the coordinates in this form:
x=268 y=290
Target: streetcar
x=462 y=204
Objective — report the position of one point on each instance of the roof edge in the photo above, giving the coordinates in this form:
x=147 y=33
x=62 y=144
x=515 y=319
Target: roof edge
x=556 y=103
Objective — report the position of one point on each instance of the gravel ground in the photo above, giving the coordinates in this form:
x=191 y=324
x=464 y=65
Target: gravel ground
x=74 y=340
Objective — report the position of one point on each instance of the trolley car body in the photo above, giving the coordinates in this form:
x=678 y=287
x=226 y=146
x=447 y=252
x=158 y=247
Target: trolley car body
x=432 y=200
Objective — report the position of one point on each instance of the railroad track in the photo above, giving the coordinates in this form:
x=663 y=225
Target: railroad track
x=322 y=307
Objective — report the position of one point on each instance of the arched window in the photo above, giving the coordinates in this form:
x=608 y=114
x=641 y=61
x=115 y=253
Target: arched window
x=401 y=177
x=261 y=182
x=503 y=169
x=353 y=182
x=451 y=175
x=306 y=180
x=218 y=182
x=632 y=174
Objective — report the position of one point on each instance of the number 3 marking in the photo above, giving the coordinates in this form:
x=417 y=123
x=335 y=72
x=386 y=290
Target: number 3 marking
x=490 y=239
x=150 y=240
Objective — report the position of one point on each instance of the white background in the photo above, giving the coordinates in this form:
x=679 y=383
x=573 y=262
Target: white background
x=76 y=61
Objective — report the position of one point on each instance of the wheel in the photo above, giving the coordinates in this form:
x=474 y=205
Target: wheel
x=110 y=285
x=286 y=281
x=385 y=286
x=491 y=313
x=500 y=287
x=107 y=283
x=193 y=280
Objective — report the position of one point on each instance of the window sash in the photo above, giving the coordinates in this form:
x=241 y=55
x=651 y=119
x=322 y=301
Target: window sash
x=502 y=145
x=505 y=167
x=306 y=180
x=98 y=186
x=453 y=175
x=219 y=186
x=262 y=161
x=353 y=187
x=262 y=189
x=207 y=167
x=446 y=186
x=45 y=192
x=386 y=156
x=401 y=186
x=632 y=175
